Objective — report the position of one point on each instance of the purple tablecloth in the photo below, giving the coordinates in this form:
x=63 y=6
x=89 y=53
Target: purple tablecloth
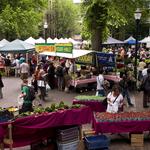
x=30 y=129
x=121 y=127
x=96 y=106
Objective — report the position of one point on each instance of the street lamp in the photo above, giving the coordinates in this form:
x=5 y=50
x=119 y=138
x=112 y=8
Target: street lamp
x=137 y=16
x=45 y=31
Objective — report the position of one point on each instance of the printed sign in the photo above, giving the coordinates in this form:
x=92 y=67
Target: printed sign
x=45 y=47
x=86 y=59
x=106 y=59
x=64 y=47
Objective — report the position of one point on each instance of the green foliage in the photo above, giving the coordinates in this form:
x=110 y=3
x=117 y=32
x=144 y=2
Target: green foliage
x=63 y=18
x=20 y=18
x=111 y=15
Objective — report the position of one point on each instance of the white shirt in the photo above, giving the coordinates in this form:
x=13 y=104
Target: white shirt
x=144 y=72
x=24 y=68
x=112 y=107
x=100 y=82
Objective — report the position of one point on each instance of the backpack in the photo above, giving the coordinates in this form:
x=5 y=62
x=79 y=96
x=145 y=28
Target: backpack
x=59 y=71
x=31 y=93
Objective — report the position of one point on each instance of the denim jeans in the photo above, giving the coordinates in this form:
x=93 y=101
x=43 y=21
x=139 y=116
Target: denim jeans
x=125 y=93
x=100 y=93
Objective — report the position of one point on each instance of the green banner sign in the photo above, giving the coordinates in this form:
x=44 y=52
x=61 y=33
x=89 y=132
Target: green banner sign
x=64 y=48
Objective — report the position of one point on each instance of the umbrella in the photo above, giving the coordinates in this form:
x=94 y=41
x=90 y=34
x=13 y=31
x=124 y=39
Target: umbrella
x=3 y=42
x=17 y=45
x=130 y=40
x=111 y=40
x=30 y=40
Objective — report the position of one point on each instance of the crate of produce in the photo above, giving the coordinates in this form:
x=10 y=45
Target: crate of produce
x=89 y=133
x=5 y=115
x=68 y=146
x=137 y=140
x=96 y=142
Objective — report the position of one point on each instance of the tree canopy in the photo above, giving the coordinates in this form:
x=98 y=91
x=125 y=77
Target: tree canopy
x=20 y=18
x=102 y=17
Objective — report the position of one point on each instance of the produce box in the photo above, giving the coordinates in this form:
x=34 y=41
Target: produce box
x=96 y=142
x=5 y=115
x=89 y=98
x=88 y=133
x=137 y=140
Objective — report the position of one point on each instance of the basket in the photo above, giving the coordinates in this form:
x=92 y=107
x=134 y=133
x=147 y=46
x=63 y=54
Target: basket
x=68 y=146
x=97 y=142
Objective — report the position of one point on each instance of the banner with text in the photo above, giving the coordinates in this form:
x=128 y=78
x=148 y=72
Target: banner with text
x=45 y=47
x=64 y=47
x=106 y=59
x=86 y=59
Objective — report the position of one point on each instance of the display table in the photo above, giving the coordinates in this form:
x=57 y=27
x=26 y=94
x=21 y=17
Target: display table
x=31 y=129
x=77 y=82
x=94 y=102
x=127 y=122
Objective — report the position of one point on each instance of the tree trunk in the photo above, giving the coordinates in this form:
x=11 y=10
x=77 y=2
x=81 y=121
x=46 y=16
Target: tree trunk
x=96 y=40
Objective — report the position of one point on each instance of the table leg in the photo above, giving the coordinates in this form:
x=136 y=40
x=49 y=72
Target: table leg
x=80 y=132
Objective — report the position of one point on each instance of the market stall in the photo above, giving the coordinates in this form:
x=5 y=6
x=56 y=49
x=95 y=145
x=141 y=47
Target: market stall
x=94 y=102
x=38 y=126
x=125 y=122
x=77 y=82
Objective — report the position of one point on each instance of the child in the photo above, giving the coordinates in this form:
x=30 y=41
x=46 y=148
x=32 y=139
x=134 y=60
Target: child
x=1 y=86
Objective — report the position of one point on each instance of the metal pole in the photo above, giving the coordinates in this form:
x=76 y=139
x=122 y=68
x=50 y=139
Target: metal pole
x=45 y=34
x=136 y=49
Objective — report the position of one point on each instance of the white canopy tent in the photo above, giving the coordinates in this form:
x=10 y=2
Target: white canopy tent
x=146 y=40
x=3 y=42
x=30 y=40
x=76 y=53
x=40 y=40
x=49 y=40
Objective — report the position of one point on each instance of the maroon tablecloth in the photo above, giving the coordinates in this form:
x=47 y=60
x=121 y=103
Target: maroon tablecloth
x=121 y=126
x=30 y=129
x=75 y=83
x=96 y=106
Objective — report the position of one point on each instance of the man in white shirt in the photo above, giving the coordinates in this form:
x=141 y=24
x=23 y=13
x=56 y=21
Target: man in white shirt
x=100 y=83
x=24 y=70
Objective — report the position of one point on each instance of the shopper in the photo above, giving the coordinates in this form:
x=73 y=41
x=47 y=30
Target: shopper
x=1 y=86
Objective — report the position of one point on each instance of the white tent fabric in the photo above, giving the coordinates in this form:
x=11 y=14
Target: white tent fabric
x=146 y=40
x=111 y=40
x=30 y=40
x=40 y=40
x=49 y=40
x=76 y=53
x=17 y=45
x=56 y=40
x=3 y=42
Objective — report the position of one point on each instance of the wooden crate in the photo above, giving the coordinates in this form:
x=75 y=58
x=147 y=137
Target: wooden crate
x=137 y=140
x=88 y=132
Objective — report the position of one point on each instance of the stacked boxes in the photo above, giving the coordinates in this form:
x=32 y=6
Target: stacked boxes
x=68 y=139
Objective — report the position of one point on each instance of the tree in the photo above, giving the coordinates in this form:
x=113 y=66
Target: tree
x=103 y=16
x=20 y=18
x=62 y=16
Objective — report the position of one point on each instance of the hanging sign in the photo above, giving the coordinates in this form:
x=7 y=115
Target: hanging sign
x=86 y=59
x=106 y=59
x=64 y=47
x=45 y=47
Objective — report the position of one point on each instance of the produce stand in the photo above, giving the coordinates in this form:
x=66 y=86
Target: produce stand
x=94 y=102
x=126 y=122
x=77 y=82
x=40 y=126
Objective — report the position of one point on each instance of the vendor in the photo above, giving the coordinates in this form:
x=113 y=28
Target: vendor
x=114 y=100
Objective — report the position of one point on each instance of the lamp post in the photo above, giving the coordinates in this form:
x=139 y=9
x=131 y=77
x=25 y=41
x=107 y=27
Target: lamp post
x=137 y=16
x=45 y=31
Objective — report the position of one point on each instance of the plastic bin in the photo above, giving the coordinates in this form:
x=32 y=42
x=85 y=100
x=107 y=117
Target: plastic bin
x=97 y=142
x=68 y=146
